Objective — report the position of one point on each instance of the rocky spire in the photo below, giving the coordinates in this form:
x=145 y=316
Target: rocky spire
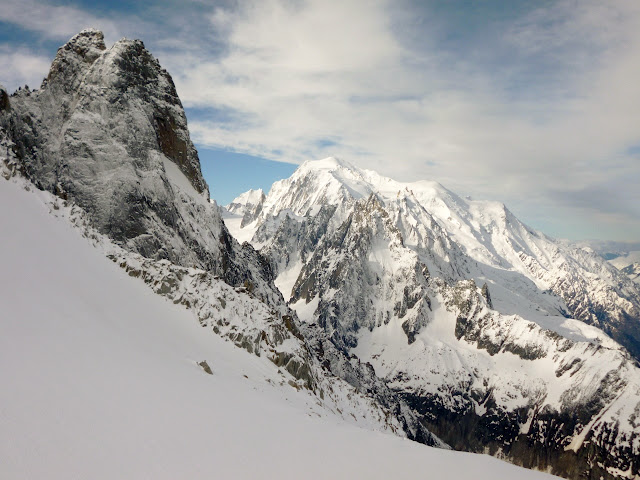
x=107 y=131
x=74 y=58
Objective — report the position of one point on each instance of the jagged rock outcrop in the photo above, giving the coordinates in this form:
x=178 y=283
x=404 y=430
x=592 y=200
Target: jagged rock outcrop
x=4 y=99
x=354 y=292
x=107 y=132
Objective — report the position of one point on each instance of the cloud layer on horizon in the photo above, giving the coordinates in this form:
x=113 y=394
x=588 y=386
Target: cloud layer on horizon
x=537 y=108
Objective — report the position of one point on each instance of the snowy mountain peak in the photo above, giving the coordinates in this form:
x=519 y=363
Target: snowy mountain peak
x=329 y=163
x=250 y=196
x=74 y=58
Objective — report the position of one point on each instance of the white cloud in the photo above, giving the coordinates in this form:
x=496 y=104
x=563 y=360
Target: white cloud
x=21 y=67
x=540 y=113
x=58 y=22
x=298 y=73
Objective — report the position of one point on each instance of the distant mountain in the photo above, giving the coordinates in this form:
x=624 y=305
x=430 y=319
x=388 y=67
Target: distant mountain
x=632 y=271
x=497 y=335
x=610 y=249
x=247 y=204
x=629 y=264
x=463 y=239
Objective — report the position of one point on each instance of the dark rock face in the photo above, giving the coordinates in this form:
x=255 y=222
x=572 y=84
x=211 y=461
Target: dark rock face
x=4 y=99
x=626 y=331
x=97 y=110
x=107 y=131
x=362 y=376
x=487 y=295
x=346 y=289
x=543 y=447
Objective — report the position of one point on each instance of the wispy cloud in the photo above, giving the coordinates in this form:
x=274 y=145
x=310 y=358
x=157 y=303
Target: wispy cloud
x=546 y=116
x=53 y=21
x=537 y=107
x=22 y=67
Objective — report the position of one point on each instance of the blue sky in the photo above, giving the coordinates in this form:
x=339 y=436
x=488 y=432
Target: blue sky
x=230 y=173
x=534 y=104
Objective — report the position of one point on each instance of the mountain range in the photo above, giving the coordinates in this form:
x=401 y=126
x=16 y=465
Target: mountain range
x=502 y=339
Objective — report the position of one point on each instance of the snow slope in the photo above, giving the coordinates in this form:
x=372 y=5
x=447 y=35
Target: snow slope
x=100 y=380
x=625 y=260
x=629 y=264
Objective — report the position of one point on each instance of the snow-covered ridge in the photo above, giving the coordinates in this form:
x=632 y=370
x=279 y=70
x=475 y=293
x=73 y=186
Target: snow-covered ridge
x=459 y=238
x=463 y=309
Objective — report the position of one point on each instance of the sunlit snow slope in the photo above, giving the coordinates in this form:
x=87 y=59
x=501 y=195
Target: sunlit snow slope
x=100 y=380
